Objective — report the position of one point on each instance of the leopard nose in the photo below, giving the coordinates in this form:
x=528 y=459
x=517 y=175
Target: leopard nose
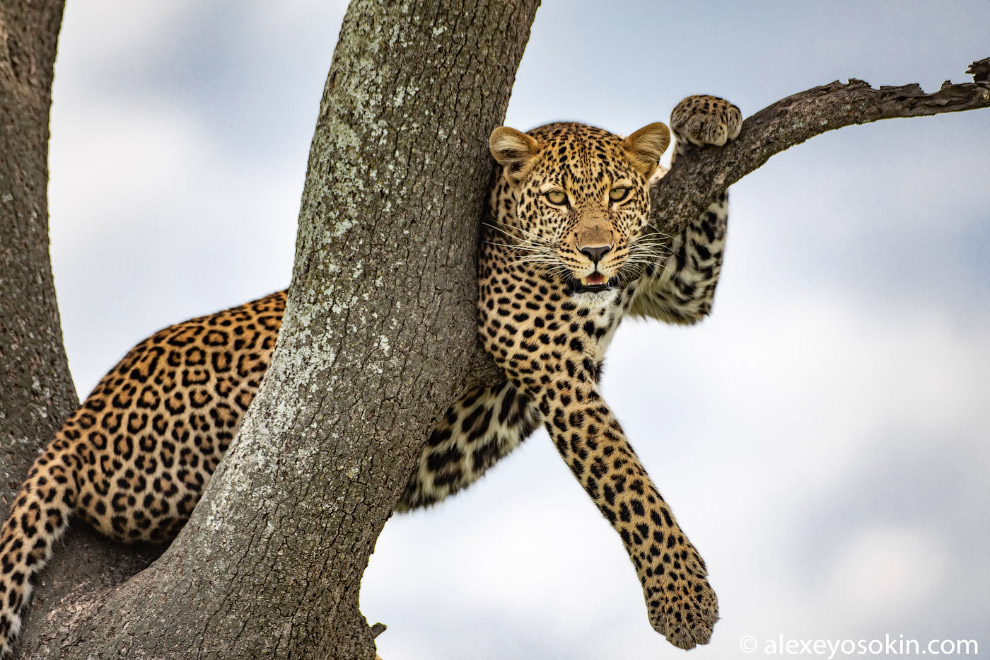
x=596 y=252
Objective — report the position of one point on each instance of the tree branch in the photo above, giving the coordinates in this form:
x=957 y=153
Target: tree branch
x=700 y=176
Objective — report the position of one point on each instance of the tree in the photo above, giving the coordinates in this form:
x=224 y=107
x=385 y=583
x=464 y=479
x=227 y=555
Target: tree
x=318 y=284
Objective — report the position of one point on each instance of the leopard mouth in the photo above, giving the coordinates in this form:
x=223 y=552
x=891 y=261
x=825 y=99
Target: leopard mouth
x=592 y=283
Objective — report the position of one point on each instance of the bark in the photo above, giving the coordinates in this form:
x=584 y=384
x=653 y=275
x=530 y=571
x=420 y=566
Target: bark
x=271 y=561
x=37 y=390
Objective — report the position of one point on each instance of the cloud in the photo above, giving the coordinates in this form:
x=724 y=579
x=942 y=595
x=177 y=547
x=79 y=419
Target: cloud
x=102 y=35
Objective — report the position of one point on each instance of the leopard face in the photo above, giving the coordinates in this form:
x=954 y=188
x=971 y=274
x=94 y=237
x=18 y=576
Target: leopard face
x=574 y=199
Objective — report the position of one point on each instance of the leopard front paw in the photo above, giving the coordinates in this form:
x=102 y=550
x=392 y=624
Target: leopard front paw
x=703 y=119
x=682 y=605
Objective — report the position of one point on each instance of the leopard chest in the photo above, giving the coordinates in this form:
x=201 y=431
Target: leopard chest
x=534 y=326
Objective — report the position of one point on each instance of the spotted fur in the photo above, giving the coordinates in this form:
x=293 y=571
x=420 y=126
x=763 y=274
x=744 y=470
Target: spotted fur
x=556 y=278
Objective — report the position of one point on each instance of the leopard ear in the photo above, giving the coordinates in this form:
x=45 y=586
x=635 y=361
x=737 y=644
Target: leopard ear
x=646 y=146
x=514 y=151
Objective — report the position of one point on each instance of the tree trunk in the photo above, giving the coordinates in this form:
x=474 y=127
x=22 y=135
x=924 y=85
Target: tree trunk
x=37 y=388
x=270 y=563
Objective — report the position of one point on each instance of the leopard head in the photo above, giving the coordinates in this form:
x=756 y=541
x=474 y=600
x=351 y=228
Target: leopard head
x=574 y=199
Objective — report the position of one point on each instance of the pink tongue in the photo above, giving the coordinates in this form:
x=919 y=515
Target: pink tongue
x=596 y=278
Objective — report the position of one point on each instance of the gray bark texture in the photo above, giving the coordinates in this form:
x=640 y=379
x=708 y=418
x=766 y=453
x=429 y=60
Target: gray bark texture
x=37 y=389
x=378 y=338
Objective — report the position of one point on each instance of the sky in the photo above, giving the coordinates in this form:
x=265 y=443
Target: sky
x=822 y=437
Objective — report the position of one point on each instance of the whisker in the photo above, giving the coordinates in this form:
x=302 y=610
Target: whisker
x=528 y=234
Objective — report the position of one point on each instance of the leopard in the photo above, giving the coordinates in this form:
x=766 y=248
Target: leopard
x=567 y=251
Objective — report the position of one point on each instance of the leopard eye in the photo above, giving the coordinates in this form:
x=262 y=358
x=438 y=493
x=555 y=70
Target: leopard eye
x=557 y=197
x=618 y=194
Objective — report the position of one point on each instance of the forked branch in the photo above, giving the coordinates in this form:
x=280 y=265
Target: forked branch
x=705 y=173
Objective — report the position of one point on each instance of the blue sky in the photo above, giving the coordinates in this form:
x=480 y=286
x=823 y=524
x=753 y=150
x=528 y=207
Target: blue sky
x=822 y=438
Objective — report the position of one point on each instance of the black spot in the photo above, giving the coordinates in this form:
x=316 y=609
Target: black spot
x=484 y=456
x=437 y=460
x=438 y=437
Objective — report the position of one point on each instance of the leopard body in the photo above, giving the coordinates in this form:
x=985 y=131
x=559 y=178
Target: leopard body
x=564 y=258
